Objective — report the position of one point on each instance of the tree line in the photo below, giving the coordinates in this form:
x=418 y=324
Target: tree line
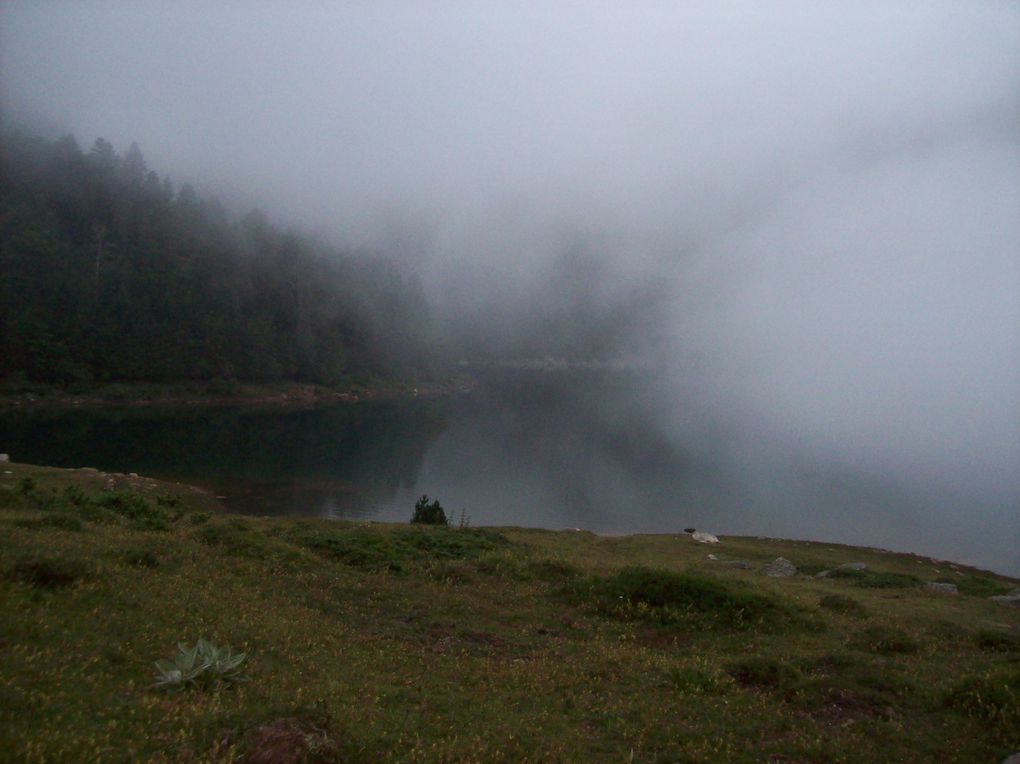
x=110 y=273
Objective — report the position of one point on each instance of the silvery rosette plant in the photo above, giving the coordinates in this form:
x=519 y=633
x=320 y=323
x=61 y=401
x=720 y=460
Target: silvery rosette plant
x=202 y=664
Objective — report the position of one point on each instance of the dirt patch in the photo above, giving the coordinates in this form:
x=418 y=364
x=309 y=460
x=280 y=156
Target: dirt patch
x=288 y=741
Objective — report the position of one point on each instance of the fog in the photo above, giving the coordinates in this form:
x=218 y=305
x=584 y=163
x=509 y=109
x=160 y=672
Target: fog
x=804 y=215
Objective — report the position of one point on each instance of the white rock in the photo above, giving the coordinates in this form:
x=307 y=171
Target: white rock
x=940 y=588
x=704 y=538
x=5 y=458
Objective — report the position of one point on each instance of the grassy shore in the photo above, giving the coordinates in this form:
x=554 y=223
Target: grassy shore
x=370 y=642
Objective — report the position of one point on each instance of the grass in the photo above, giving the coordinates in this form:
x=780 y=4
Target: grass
x=372 y=642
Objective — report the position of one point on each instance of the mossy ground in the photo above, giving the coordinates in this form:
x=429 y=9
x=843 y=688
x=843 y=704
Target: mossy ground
x=391 y=643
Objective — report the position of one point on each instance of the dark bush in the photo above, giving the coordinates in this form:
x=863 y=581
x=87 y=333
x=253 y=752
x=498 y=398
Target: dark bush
x=867 y=579
x=761 y=671
x=885 y=641
x=837 y=603
x=994 y=697
x=61 y=521
x=674 y=598
x=370 y=548
x=993 y=639
x=48 y=572
x=428 y=513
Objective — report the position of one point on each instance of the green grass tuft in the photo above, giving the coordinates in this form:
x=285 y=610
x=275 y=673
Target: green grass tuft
x=669 y=598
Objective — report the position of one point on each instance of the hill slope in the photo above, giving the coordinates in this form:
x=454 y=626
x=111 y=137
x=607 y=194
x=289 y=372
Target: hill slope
x=370 y=642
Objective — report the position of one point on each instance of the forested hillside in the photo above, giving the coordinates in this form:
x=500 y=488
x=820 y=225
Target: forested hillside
x=110 y=273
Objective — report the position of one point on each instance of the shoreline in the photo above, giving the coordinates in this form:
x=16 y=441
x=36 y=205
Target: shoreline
x=96 y=479
x=284 y=395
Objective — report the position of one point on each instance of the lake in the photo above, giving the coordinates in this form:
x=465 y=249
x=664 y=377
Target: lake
x=602 y=451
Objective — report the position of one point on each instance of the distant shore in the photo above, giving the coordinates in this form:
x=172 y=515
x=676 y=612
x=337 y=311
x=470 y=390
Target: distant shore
x=219 y=393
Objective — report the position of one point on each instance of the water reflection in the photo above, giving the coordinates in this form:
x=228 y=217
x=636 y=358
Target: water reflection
x=341 y=461
x=605 y=451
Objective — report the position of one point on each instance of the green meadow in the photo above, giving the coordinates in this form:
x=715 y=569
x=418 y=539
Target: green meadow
x=372 y=642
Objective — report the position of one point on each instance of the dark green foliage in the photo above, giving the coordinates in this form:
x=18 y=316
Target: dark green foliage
x=234 y=537
x=369 y=548
x=867 y=579
x=141 y=512
x=49 y=572
x=60 y=521
x=428 y=513
x=70 y=507
x=665 y=597
x=552 y=571
x=696 y=679
x=978 y=585
x=107 y=277
x=141 y=558
x=994 y=697
x=762 y=672
x=997 y=640
x=837 y=603
x=885 y=640
x=856 y=689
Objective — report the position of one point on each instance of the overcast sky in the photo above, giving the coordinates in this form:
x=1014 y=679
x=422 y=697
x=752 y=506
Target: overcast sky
x=826 y=194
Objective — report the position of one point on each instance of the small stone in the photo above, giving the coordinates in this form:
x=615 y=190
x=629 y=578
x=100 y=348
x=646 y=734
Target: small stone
x=780 y=568
x=705 y=538
x=742 y=564
x=5 y=458
x=941 y=588
x=853 y=566
x=1007 y=599
x=1014 y=759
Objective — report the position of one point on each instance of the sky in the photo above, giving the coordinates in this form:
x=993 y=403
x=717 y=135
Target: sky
x=806 y=214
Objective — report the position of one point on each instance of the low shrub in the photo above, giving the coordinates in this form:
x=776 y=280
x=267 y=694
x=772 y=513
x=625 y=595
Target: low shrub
x=867 y=579
x=60 y=521
x=977 y=586
x=994 y=639
x=884 y=640
x=49 y=572
x=697 y=679
x=140 y=512
x=994 y=697
x=369 y=548
x=234 y=537
x=552 y=571
x=837 y=603
x=666 y=597
x=141 y=558
x=762 y=672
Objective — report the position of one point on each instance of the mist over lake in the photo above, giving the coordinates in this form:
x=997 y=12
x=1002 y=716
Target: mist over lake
x=561 y=449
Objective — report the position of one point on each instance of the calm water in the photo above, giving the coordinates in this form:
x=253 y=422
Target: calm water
x=593 y=451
